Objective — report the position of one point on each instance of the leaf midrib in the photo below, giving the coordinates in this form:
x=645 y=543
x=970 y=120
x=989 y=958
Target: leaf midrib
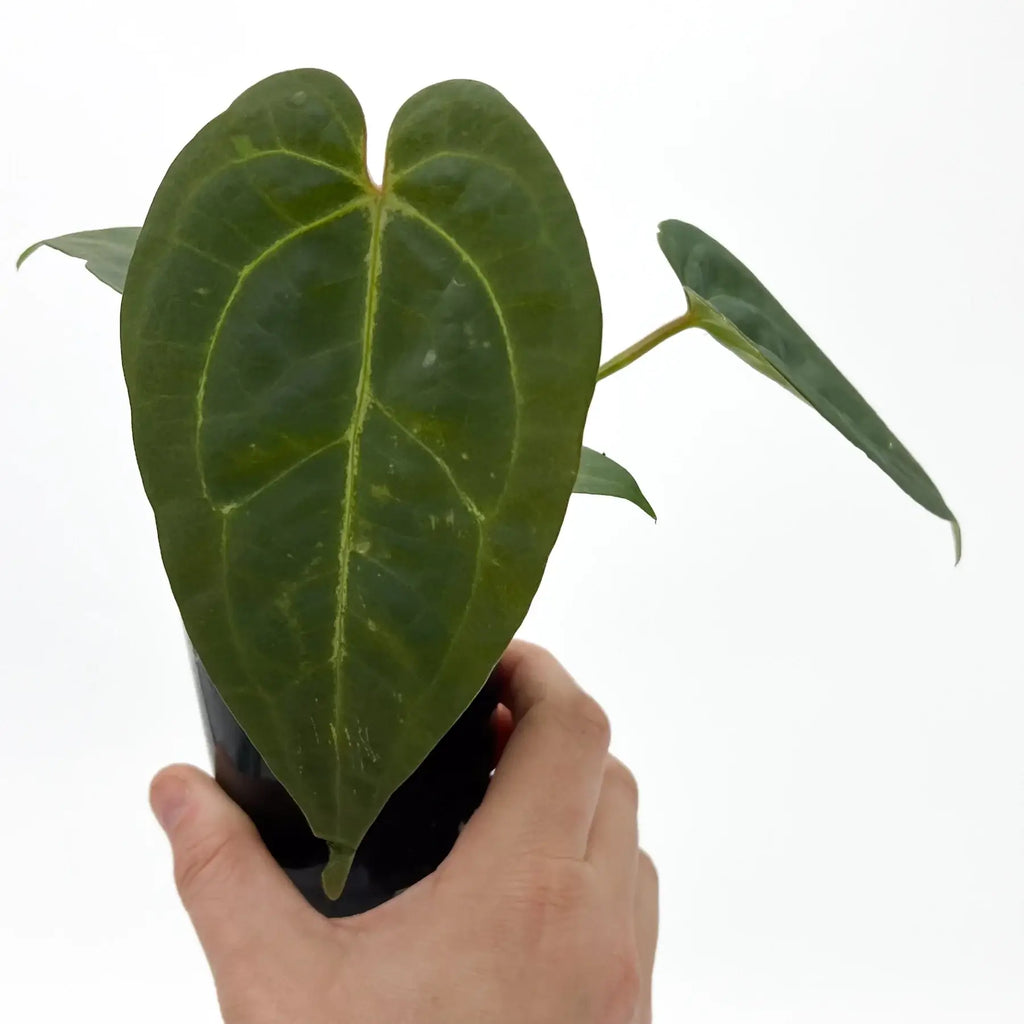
x=379 y=202
x=402 y=206
x=354 y=431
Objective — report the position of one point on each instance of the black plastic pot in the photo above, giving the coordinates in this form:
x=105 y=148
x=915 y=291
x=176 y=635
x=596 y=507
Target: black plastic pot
x=413 y=833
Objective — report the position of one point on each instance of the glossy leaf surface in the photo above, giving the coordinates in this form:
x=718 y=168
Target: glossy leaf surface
x=600 y=475
x=597 y=474
x=732 y=305
x=107 y=252
x=358 y=414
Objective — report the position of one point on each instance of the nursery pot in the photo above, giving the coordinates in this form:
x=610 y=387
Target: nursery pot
x=411 y=836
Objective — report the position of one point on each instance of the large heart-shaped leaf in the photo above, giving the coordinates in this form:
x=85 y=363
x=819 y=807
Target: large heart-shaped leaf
x=597 y=473
x=358 y=414
x=107 y=252
x=736 y=309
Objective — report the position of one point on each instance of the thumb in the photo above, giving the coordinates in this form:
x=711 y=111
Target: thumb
x=240 y=901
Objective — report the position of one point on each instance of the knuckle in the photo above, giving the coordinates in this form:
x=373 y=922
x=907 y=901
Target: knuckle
x=559 y=887
x=526 y=649
x=648 y=871
x=528 y=664
x=584 y=716
x=619 y=775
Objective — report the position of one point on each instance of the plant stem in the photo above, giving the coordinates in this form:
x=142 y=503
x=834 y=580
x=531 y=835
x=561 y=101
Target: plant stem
x=656 y=337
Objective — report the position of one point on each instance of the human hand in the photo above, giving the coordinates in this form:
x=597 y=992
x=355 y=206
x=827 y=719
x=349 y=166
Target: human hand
x=545 y=911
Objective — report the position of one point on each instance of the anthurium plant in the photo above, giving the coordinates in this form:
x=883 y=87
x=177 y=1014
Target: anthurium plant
x=358 y=411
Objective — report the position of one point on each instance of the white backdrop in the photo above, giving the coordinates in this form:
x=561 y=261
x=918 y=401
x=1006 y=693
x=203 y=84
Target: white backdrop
x=824 y=716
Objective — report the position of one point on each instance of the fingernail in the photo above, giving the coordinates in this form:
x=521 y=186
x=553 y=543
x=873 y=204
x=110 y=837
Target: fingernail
x=168 y=797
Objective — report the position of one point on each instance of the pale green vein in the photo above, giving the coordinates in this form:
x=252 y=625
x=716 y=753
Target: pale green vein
x=270 y=203
x=460 y=154
x=243 y=276
x=406 y=208
x=355 y=429
x=344 y=172
x=410 y=211
x=343 y=121
x=289 y=469
x=184 y=243
x=466 y=500
x=184 y=201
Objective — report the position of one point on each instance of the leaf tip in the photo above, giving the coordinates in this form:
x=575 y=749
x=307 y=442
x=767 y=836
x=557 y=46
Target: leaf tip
x=335 y=873
x=28 y=252
x=958 y=541
x=668 y=222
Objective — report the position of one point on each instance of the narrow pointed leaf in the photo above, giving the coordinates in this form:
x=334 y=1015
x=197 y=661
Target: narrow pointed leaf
x=107 y=252
x=737 y=310
x=600 y=475
x=358 y=414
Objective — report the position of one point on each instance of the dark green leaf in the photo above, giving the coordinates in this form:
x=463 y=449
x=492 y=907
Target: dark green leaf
x=107 y=252
x=735 y=308
x=358 y=415
x=600 y=475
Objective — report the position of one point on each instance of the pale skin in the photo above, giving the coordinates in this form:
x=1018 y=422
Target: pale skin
x=545 y=911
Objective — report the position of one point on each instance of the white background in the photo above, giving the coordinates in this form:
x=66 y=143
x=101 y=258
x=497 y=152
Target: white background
x=824 y=715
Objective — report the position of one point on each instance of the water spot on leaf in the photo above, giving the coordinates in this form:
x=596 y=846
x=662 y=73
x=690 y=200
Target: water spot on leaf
x=430 y=358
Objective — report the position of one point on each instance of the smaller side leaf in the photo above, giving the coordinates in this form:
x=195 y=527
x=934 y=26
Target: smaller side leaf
x=732 y=305
x=107 y=252
x=600 y=475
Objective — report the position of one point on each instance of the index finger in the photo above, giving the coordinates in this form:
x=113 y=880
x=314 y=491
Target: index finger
x=545 y=788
